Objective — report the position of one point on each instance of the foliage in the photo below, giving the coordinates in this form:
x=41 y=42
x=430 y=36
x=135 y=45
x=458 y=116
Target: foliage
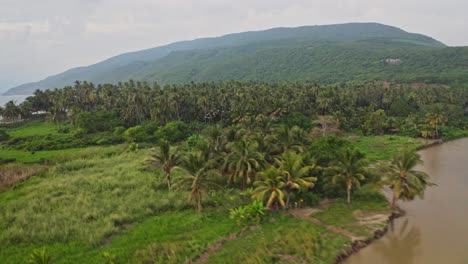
x=99 y=121
x=40 y=257
x=248 y=214
x=405 y=182
x=349 y=170
x=3 y=135
x=135 y=134
x=173 y=132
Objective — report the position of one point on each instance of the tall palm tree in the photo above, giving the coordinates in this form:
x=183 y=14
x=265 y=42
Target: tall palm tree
x=406 y=182
x=295 y=173
x=166 y=159
x=196 y=177
x=270 y=184
x=350 y=169
x=243 y=161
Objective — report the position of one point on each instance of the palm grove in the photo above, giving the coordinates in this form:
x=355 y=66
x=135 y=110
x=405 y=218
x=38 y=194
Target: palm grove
x=275 y=142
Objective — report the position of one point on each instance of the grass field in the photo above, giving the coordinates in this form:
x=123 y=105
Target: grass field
x=34 y=128
x=171 y=237
x=384 y=147
x=343 y=216
x=283 y=240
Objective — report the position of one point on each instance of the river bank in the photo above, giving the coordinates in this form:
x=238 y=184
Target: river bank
x=358 y=245
x=419 y=236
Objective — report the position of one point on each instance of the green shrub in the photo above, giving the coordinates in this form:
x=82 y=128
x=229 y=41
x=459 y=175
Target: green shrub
x=40 y=257
x=4 y=135
x=173 y=132
x=133 y=147
x=118 y=131
x=78 y=133
x=99 y=121
x=369 y=193
x=248 y=214
x=135 y=134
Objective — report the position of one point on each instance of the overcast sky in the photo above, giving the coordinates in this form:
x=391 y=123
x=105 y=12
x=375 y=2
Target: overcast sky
x=39 y=38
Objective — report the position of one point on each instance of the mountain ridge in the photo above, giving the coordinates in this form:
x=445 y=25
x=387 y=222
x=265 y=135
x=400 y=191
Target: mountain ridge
x=146 y=64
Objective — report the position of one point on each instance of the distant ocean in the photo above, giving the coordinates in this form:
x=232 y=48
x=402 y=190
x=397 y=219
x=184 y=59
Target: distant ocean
x=17 y=98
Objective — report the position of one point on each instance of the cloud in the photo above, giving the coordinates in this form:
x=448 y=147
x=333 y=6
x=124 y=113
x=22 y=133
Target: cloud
x=40 y=38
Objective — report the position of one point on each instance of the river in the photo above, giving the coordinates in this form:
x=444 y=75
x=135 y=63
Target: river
x=435 y=229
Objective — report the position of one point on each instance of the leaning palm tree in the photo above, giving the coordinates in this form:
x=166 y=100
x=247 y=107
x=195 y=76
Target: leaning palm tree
x=270 y=184
x=195 y=177
x=350 y=169
x=295 y=173
x=243 y=162
x=405 y=182
x=166 y=159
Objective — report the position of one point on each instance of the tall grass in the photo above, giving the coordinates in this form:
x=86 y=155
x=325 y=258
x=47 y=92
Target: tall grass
x=15 y=173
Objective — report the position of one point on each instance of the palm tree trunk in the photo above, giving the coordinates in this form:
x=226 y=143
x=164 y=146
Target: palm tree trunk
x=349 y=192
x=349 y=196
x=168 y=179
x=288 y=196
x=393 y=200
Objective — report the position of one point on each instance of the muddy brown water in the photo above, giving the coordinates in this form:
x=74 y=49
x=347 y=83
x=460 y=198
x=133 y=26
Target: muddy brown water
x=435 y=229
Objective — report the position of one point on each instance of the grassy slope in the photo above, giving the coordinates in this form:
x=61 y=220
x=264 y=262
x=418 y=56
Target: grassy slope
x=384 y=147
x=281 y=239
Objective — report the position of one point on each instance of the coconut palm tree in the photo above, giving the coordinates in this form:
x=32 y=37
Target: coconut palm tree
x=406 y=182
x=270 y=184
x=243 y=162
x=295 y=173
x=350 y=169
x=11 y=112
x=195 y=177
x=166 y=159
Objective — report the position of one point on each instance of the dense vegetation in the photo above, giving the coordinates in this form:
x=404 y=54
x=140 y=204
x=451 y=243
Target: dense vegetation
x=221 y=150
x=325 y=54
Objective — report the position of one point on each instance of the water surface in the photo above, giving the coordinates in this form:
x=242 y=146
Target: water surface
x=435 y=230
x=17 y=98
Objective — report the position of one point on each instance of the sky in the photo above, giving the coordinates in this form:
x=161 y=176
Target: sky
x=39 y=38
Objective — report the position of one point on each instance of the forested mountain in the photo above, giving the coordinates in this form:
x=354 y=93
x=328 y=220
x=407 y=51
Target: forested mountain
x=326 y=54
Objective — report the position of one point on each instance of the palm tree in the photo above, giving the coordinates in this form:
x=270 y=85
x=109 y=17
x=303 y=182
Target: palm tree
x=11 y=112
x=350 y=169
x=165 y=158
x=196 y=174
x=291 y=138
x=243 y=162
x=405 y=182
x=295 y=173
x=270 y=184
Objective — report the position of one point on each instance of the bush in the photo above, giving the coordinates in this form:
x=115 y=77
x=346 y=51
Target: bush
x=248 y=214
x=78 y=133
x=369 y=193
x=4 y=135
x=100 y=121
x=135 y=134
x=118 y=131
x=297 y=119
x=195 y=142
x=133 y=147
x=173 y=132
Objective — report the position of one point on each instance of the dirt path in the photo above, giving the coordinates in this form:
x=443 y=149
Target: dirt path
x=304 y=213
x=217 y=246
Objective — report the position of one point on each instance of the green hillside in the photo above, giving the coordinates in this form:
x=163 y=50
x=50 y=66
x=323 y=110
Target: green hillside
x=326 y=54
